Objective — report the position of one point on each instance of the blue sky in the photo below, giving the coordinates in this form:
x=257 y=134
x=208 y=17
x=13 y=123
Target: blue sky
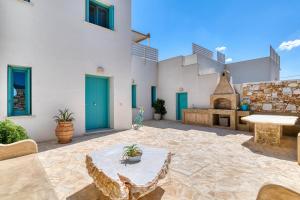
x=245 y=27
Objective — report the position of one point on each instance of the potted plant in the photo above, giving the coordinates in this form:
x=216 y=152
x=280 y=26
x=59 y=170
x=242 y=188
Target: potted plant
x=159 y=109
x=64 y=129
x=132 y=153
x=244 y=105
x=138 y=121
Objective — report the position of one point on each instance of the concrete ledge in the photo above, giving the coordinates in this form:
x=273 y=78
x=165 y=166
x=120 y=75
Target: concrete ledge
x=17 y=149
x=276 y=192
x=298 y=148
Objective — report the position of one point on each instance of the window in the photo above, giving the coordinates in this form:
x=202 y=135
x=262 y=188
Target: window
x=133 y=96
x=100 y=14
x=18 y=91
x=153 y=94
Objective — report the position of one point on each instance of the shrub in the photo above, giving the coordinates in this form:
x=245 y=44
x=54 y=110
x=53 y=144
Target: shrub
x=159 y=107
x=10 y=132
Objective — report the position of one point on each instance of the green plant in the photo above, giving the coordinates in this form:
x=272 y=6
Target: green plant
x=132 y=151
x=64 y=116
x=10 y=132
x=138 y=121
x=244 y=102
x=159 y=107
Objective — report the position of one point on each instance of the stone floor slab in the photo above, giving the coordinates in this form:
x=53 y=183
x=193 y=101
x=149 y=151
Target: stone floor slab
x=208 y=163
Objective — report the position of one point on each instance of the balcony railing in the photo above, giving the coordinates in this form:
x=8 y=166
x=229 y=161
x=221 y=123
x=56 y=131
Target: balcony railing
x=145 y=52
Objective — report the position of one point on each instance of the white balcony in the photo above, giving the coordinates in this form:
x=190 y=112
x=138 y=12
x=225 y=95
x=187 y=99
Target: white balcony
x=145 y=52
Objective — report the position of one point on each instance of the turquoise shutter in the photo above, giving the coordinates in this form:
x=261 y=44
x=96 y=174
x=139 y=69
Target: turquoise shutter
x=9 y=92
x=111 y=17
x=133 y=96
x=87 y=10
x=28 y=92
x=153 y=94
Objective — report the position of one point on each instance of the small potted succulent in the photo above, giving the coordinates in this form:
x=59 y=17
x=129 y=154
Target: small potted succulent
x=159 y=109
x=64 y=129
x=244 y=105
x=132 y=153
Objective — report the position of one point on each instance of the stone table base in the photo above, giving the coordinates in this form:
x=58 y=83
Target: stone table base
x=119 y=186
x=268 y=134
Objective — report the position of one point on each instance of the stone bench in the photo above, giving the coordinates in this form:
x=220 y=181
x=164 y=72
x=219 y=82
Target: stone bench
x=24 y=177
x=17 y=149
x=21 y=168
x=298 y=148
x=276 y=192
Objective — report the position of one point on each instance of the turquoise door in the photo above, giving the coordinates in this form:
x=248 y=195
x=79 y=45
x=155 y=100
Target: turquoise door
x=96 y=103
x=181 y=103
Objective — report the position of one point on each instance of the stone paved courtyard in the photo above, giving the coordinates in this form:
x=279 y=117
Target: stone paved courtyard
x=207 y=163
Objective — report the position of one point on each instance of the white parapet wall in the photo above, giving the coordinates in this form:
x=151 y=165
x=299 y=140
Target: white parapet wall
x=255 y=70
x=174 y=78
x=53 y=38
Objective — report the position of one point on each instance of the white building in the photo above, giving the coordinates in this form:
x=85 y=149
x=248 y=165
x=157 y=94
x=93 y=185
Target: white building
x=82 y=54
x=195 y=77
x=64 y=60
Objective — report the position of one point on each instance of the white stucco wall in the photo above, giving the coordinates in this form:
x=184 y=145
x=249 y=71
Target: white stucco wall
x=144 y=75
x=173 y=76
x=53 y=38
x=209 y=66
x=256 y=70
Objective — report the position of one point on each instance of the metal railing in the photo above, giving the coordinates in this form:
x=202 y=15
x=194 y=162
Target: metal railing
x=143 y=51
x=201 y=50
x=220 y=57
x=274 y=56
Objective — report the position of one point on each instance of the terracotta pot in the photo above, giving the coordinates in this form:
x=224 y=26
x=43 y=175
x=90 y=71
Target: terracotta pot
x=64 y=132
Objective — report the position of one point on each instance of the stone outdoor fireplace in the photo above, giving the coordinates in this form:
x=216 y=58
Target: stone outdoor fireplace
x=223 y=104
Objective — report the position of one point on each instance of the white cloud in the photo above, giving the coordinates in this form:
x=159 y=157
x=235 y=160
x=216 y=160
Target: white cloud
x=221 y=49
x=289 y=45
x=228 y=60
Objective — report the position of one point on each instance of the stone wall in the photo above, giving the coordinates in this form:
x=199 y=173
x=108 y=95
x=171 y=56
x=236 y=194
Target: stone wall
x=277 y=96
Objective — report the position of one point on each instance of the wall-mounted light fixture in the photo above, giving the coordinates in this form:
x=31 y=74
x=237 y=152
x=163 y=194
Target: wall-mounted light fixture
x=100 y=70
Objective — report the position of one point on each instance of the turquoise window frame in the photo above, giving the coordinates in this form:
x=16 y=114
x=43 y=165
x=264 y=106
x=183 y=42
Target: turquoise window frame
x=133 y=96
x=10 y=91
x=111 y=13
x=153 y=95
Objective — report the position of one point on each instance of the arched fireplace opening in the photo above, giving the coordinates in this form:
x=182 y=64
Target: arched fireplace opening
x=222 y=103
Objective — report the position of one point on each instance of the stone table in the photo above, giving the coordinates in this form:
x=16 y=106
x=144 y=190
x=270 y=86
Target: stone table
x=268 y=128
x=119 y=180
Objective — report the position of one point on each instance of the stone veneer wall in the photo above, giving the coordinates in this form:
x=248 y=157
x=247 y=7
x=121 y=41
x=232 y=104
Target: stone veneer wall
x=277 y=96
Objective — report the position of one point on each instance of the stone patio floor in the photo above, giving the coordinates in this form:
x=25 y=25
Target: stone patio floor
x=207 y=163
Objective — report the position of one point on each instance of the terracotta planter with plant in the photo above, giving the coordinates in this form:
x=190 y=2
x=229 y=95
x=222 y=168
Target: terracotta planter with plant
x=64 y=130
